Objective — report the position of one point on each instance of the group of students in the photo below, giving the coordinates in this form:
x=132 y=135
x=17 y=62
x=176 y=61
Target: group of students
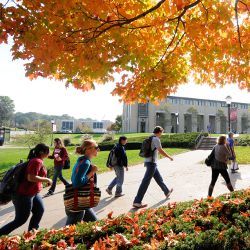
x=27 y=199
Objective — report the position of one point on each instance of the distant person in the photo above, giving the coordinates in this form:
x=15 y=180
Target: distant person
x=27 y=199
x=81 y=173
x=209 y=129
x=219 y=166
x=120 y=162
x=152 y=170
x=60 y=155
x=231 y=144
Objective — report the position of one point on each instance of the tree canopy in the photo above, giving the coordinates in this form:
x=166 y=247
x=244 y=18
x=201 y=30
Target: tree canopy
x=154 y=45
x=7 y=108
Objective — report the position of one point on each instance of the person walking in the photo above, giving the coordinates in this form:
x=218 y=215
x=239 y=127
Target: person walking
x=219 y=165
x=81 y=173
x=60 y=155
x=230 y=143
x=152 y=169
x=27 y=199
x=121 y=162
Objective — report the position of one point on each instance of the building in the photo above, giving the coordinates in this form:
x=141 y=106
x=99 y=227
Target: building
x=183 y=114
x=94 y=126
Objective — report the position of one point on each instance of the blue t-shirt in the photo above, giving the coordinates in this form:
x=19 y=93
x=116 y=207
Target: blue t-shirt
x=79 y=173
x=230 y=142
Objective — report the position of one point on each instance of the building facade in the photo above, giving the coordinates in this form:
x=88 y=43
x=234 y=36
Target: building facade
x=183 y=114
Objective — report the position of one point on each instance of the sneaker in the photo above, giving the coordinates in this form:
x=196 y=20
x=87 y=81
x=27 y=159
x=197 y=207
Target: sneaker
x=169 y=193
x=119 y=195
x=109 y=191
x=48 y=194
x=139 y=205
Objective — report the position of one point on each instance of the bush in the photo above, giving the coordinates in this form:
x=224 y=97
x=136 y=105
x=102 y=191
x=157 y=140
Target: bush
x=107 y=137
x=86 y=137
x=244 y=140
x=221 y=223
x=67 y=142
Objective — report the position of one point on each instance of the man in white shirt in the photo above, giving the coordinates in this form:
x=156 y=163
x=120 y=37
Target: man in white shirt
x=152 y=170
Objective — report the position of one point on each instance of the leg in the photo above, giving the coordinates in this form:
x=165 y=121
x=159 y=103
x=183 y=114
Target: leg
x=215 y=174
x=120 y=179
x=112 y=184
x=150 y=170
x=159 y=180
x=62 y=179
x=74 y=217
x=53 y=186
x=37 y=211
x=226 y=177
x=89 y=215
x=22 y=206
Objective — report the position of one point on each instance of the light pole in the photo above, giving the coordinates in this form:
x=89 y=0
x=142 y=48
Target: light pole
x=52 y=130
x=177 y=121
x=229 y=102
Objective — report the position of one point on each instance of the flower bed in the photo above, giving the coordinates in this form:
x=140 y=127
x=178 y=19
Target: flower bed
x=222 y=223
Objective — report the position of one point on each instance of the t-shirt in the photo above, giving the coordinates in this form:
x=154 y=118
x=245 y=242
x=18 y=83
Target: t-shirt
x=222 y=153
x=62 y=153
x=156 y=144
x=230 y=142
x=35 y=167
x=79 y=173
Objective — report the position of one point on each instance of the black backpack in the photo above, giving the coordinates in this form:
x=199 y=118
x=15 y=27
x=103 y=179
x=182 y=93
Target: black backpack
x=11 y=181
x=210 y=159
x=146 y=150
x=112 y=159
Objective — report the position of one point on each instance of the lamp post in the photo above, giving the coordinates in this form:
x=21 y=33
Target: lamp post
x=229 y=102
x=177 y=121
x=52 y=130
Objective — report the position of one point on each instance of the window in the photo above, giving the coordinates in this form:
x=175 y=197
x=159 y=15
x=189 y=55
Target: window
x=142 y=109
x=97 y=125
x=67 y=125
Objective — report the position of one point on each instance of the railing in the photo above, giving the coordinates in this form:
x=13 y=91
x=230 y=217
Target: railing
x=198 y=138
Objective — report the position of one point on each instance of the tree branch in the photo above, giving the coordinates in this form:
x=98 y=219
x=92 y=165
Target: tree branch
x=237 y=21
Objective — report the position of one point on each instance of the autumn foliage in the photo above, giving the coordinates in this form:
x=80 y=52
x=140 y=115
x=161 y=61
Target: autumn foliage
x=153 y=45
x=221 y=223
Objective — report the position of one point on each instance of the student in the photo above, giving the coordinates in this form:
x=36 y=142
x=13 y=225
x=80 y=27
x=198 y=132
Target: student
x=81 y=173
x=152 y=170
x=121 y=163
x=221 y=154
x=27 y=199
x=59 y=155
x=230 y=143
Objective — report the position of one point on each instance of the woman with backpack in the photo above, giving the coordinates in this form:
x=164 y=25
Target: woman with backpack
x=81 y=174
x=27 y=199
x=60 y=155
x=219 y=165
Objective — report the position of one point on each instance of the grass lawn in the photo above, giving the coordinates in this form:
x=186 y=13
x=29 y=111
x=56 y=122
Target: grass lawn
x=10 y=156
x=243 y=154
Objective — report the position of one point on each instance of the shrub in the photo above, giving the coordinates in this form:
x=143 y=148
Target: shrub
x=107 y=137
x=221 y=223
x=86 y=137
x=244 y=140
x=67 y=141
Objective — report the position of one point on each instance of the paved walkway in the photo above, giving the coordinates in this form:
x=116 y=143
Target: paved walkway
x=186 y=174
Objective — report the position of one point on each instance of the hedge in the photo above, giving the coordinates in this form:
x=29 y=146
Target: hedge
x=221 y=223
x=244 y=140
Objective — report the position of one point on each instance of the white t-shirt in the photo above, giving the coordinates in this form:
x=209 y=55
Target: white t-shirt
x=156 y=144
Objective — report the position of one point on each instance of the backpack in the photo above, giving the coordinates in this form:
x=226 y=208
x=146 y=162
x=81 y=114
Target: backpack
x=112 y=159
x=209 y=161
x=146 y=150
x=11 y=180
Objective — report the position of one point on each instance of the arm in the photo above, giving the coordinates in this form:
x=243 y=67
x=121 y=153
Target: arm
x=37 y=178
x=64 y=154
x=52 y=156
x=163 y=153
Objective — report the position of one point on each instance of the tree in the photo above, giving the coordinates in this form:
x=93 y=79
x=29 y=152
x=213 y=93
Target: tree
x=118 y=124
x=7 y=108
x=155 y=46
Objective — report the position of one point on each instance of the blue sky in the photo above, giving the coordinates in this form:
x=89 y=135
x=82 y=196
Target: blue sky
x=51 y=97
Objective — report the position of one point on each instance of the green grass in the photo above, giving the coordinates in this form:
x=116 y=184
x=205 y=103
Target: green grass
x=10 y=156
x=242 y=154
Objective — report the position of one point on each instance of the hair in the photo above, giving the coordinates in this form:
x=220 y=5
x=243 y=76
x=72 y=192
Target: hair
x=86 y=144
x=122 y=138
x=59 y=141
x=222 y=140
x=230 y=134
x=38 y=151
x=158 y=129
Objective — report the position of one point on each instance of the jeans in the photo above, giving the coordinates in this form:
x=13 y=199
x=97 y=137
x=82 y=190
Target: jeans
x=118 y=180
x=24 y=205
x=215 y=175
x=57 y=174
x=75 y=217
x=151 y=171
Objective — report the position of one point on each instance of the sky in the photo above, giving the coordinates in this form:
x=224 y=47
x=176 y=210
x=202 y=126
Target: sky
x=51 y=97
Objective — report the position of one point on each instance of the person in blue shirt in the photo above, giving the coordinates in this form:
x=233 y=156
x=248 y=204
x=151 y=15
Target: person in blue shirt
x=81 y=173
x=230 y=143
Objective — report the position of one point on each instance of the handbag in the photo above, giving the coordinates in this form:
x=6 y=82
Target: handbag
x=79 y=199
x=210 y=159
x=67 y=164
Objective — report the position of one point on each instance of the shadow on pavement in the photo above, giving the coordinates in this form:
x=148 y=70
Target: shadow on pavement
x=160 y=203
x=7 y=210
x=60 y=223
x=234 y=177
x=104 y=203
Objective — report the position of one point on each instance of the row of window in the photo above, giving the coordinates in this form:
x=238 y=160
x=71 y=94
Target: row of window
x=204 y=103
x=66 y=125
x=97 y=125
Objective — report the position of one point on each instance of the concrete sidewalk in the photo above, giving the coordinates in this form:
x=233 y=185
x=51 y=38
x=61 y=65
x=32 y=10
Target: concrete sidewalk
x=186 y=174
